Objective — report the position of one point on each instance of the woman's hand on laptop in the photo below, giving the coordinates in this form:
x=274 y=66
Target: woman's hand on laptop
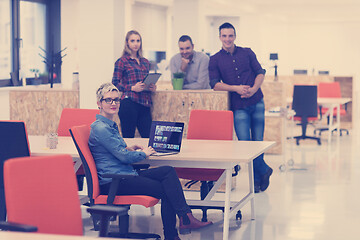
x=148 y=151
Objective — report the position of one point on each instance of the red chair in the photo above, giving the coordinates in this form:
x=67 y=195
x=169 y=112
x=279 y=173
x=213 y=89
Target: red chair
x=80 y=135
x=41 y=196
x=210 y=125
x=330 y=90
x=74 y=117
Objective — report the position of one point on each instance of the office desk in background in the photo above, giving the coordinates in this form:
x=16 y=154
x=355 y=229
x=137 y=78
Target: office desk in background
x=194 y=154
x=331 y=104
x=8 y=235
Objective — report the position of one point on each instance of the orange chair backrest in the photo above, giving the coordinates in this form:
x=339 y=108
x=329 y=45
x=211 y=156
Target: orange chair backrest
x=211 y=125
x=74 y=117
x=329 y=90
x=42 y=191
x=80 y=135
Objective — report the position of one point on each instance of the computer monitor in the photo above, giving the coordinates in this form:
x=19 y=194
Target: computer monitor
x=323 y=72
x=300 y=71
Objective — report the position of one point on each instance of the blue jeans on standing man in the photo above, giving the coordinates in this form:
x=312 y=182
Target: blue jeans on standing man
x=249 y=126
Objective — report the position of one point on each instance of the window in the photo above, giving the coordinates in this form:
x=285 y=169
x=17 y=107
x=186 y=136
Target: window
x=29 y=35
x=5 y=40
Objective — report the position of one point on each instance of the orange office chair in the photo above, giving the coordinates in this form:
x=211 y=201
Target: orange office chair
x=210 y=125
x=80 y=135
x=13 y=143
x=41 y=196
x=74 y=117
x=305 y=106
x=330 y=90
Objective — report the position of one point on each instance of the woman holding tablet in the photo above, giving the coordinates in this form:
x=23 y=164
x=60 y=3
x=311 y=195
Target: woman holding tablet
x=129 y=73
x=113 y=156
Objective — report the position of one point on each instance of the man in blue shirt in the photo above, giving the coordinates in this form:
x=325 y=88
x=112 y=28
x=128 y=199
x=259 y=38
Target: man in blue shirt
x=193 y=64
x=237 y=70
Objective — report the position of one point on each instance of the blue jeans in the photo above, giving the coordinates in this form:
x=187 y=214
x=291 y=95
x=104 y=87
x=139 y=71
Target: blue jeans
x=249 y=126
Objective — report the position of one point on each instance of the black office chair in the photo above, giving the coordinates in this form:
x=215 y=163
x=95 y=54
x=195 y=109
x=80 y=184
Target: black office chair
x=13 y=143
x=306 y=109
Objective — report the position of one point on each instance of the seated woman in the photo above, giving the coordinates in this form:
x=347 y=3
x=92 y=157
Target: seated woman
x=112 y=155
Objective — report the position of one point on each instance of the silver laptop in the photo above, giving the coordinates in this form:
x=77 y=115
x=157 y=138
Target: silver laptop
x=166 y=137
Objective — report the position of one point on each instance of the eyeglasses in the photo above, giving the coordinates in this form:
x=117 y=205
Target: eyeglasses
x=111 y=100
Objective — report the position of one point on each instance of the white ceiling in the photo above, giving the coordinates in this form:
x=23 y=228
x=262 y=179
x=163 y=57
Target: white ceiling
x=296 y=10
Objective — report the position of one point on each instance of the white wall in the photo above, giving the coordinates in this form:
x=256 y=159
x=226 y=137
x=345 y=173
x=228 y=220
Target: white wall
x=94 y=32
x=150 y=21
x=88 y=28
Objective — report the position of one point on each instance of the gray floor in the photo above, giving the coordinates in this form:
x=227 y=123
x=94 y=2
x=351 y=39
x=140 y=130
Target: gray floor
x=314 y=199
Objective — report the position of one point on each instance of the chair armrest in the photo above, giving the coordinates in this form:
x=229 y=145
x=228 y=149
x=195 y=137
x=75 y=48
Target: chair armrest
x=16 y=227
x=114 y=185
x=115 y=176
x=140 y=166
x=107 y=210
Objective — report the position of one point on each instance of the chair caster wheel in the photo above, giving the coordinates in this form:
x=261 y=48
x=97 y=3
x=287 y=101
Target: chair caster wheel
x=282 y=168
x=238 y=215
x=291 y=162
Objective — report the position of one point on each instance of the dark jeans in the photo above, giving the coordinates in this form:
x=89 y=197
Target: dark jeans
x=134 y=115
x=162 y=183
x=249 y=125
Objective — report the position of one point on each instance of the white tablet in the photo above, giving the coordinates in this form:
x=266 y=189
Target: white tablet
x=151 y=78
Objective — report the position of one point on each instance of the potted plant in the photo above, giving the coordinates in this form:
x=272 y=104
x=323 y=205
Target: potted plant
x=44 y=77
x=35 y=80
x=178 y=80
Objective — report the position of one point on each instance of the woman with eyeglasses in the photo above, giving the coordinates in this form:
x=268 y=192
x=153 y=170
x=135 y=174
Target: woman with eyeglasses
x=113 y=156
x=129 y=72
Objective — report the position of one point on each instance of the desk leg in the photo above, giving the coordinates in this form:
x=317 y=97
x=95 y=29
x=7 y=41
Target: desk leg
x=227 y=205
x=331 y=123
x=252 y=191
x=77 y=164
x=338 y=120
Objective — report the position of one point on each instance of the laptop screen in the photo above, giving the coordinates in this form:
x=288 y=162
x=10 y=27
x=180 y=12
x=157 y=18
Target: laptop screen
x=166 y=136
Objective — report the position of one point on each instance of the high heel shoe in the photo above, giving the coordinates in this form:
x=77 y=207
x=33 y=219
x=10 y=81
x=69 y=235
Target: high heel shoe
x=189 y=222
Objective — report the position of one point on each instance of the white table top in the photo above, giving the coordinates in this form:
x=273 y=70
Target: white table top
x=4 y=235
x=194 y=153
x=327 y=101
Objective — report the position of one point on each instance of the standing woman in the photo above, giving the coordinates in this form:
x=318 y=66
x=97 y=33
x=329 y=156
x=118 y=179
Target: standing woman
x=136 y=101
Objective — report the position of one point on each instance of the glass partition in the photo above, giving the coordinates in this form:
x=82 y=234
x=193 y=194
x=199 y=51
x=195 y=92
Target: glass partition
x=5 y=39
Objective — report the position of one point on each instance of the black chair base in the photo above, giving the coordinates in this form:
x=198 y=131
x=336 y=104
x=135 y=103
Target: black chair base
x=298 y=138
x=205 y=188
x=134 y=235
x=123 y=228
x=320 y=130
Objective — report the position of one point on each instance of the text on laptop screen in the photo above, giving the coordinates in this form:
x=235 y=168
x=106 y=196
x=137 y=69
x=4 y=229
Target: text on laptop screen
x=166 y=135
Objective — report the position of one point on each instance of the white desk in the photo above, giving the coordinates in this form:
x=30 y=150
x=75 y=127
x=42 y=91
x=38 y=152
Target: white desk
x=4 y=235
x=331 y=104
x=194 y=154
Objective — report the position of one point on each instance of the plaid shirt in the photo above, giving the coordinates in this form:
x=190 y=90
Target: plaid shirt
x=127 y=73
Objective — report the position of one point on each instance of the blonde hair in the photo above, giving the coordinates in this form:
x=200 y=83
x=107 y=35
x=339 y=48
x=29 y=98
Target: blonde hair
x=103 y=89
x=127 y=50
